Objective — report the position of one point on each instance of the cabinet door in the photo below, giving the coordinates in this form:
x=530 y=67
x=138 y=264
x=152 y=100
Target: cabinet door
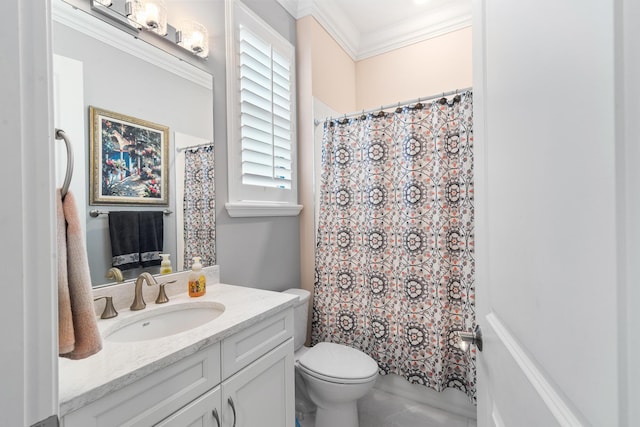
x=202 y=412
x=262 y=394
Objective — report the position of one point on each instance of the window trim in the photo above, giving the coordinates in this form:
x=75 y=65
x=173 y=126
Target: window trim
x=245 y=200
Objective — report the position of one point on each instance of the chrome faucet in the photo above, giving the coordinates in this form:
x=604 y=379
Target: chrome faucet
x=138 y=300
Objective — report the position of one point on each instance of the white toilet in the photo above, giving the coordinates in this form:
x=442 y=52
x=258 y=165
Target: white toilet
x=335 y=375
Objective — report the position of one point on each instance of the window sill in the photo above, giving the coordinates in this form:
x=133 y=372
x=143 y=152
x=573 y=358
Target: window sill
x=260 y=209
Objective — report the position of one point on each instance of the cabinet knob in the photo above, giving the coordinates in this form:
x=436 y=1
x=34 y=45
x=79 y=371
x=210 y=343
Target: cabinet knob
x=215 y=415
x=233 y=408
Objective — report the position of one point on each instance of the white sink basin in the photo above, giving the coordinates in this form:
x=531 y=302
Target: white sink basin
x=163 y=322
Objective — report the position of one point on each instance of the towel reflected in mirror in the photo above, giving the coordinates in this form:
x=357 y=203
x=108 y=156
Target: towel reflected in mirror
x=136 y=238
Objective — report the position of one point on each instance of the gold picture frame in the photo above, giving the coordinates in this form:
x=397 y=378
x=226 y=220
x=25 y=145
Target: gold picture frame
x=129 y=160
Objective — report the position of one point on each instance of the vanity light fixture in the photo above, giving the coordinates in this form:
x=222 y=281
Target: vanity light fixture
x=194 y=37
x=149 y=14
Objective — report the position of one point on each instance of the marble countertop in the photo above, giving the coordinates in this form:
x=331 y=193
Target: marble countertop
x=119 y=364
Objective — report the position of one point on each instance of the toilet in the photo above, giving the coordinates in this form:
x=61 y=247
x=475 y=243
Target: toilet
x=335 y=376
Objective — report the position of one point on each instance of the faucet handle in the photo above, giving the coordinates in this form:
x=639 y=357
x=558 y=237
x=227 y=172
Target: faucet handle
x=109 y=311
x=162 y=295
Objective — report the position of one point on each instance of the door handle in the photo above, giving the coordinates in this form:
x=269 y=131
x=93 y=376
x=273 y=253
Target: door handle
x=466 y=338
x=233 y=409
x=215 y=415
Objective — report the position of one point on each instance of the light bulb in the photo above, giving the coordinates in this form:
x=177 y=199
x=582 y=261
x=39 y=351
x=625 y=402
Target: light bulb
x=150 y=14
x=194 y=37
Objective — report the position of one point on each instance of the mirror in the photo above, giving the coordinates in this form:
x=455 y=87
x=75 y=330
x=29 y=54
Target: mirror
x=98 y=64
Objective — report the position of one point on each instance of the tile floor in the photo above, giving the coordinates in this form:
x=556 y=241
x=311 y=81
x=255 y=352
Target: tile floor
x=381 y=409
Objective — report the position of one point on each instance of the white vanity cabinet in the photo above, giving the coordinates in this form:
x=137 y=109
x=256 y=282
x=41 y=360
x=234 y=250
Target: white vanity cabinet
x=261 y=394
x=245 y=380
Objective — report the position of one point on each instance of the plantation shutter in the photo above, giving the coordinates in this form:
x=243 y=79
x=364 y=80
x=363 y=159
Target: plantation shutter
x=265 y=112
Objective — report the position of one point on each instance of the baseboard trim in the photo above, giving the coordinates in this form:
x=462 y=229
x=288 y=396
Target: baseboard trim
x=450 y=400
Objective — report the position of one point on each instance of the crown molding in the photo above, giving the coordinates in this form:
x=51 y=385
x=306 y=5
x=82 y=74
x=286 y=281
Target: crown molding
x=456 y=15
x=292 y=7
x=441 y=21
x=338 y=25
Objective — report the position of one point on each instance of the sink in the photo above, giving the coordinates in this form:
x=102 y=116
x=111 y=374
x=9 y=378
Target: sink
x=162 y=322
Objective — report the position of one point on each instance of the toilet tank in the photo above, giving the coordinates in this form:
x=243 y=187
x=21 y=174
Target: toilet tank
x=300 y=313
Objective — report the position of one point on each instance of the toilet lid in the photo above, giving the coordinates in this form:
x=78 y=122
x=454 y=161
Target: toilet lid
x=338 y=361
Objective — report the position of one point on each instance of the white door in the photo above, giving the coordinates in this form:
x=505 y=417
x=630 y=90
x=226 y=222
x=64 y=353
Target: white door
x=546 y=212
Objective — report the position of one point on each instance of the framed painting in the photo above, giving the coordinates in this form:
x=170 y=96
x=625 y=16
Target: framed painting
x=129 y=160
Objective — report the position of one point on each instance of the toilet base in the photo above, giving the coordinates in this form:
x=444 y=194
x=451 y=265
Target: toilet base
x=343 y=415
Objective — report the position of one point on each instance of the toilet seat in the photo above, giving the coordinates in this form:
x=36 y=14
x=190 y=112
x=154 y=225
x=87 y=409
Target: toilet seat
x=336 y=380
x=338 y=363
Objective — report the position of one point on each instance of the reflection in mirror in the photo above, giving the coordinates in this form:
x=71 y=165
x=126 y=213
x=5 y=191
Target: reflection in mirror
x=96 y=64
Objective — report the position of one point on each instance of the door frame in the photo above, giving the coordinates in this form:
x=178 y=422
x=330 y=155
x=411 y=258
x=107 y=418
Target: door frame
x=29 y=369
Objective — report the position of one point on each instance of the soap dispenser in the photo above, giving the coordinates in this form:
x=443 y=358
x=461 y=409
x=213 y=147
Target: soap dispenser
x=197 y=281
x=165 y=265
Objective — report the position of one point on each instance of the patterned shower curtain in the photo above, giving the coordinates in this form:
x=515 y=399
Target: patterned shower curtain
x=394 y=257
x=199 y=206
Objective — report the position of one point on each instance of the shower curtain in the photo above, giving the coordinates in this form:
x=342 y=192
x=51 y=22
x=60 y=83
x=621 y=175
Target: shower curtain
x=394 y=256
x=199 y=206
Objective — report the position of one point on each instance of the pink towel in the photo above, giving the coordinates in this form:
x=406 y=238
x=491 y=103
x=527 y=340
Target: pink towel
x=85 y=327
x=66 y=339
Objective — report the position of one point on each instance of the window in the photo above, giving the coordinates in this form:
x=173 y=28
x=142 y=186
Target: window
x=261 y=117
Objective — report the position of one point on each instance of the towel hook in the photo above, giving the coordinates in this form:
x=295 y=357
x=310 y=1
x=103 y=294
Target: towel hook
x=60 y=134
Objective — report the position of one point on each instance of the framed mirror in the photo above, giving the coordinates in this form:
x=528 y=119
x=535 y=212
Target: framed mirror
x=100 y=65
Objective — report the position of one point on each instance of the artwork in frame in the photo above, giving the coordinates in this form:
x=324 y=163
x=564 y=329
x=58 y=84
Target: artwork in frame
x=129 y=160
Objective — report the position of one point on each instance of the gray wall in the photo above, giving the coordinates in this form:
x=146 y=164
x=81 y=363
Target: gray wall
x=257 y=252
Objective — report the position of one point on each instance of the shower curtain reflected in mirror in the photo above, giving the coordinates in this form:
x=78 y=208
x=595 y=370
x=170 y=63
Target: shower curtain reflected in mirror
x=394 y=256
x=199 y=206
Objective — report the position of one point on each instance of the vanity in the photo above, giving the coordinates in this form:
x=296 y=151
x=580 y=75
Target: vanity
x=234 y=370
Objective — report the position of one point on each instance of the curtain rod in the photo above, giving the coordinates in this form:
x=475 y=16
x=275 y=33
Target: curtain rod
x=316 y=122
x=191 y=147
